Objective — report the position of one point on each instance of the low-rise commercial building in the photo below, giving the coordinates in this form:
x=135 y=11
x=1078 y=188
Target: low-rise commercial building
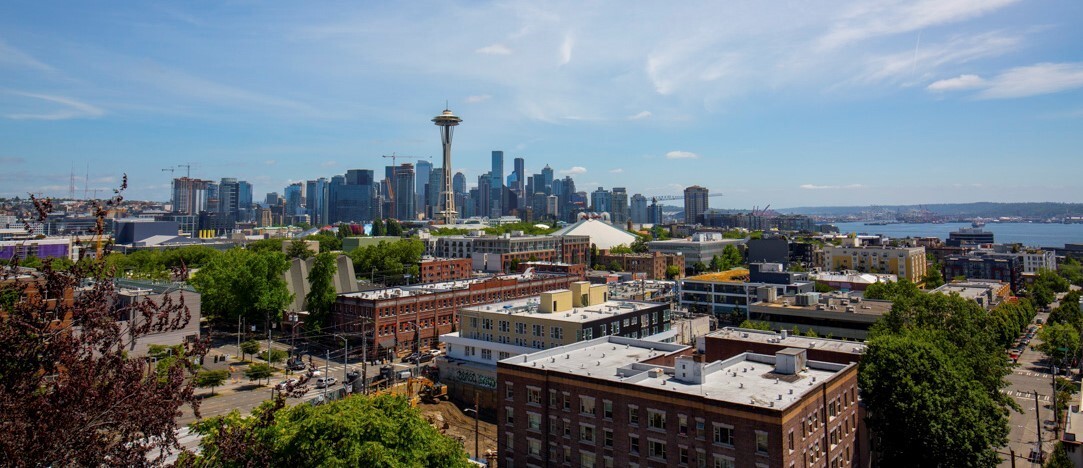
x=851 y=280
x=731 y=291
x=731 y=341
x=433 y=270
x=987 y=294
x=969 y=237
x=836 y=315
x=701 y=247
x=652 y=265
x=497 y=253
x=490 y=333
x=616 y=401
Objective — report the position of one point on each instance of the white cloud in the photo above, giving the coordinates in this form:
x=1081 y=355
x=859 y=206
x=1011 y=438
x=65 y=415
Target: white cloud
x=681 y=155
x=330 y=163
x=494 y=49
x=477 y=98
x=640 y=116
x=270 y=162
x=1042 y=78
x=73 y=109
x=17 y=58
x=876 y=19
x=929 y=57
x=831 y=187
x=573 y=170
x=616 y=171
x=566 y=49
x=958 y=83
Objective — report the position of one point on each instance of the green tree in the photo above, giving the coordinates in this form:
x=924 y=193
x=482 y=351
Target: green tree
x=933 y=278
x=1052 y=280
x=1059 y=458
x=265 y=245
x=1068 y=312
x=699 y=267
x=811 y=333
x=321 y=292
x=824 y=288
x=716 y=264
x=378 y=228
x=1072 y=271
x=243 y=283
x=1059 y=341
x=259 y=371
x=394 y=228
x=672 y=272
x=249 y=347
x=277 y=355
x=391 y=260
x=328 y=242
x=211 y=379
x=380 y=431
x=620 y=249
x=298 y=249
x=1041 y=295
x=919 y=396
x=659 y=233
x=892 y=290
x=755 y=325
x=639 y=245
x=731 y=257
x=613 y=266
x=593 y=252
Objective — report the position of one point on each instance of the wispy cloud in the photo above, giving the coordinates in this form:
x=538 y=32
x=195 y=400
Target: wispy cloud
x=270 y=162
x=10 y=56
x=1033 y=80
x=494 y=49
x=73 y=109
x=573 y=170
x=640 y=116
x=477 y=98
x=681 y=155
x=958 y=83
x=616 y=171
x=876 y=19
x=830 y=187
x=566 y=49
x=932 y=56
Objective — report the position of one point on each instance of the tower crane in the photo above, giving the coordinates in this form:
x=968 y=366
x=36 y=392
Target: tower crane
x=394 y=167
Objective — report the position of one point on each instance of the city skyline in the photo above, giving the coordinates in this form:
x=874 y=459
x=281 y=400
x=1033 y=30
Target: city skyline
x=820 y=104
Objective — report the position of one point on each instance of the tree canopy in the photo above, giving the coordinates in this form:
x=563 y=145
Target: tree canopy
x=890 y=290
x=391 y=261
x=321 y=292
x=244 y=283
x=382 y=431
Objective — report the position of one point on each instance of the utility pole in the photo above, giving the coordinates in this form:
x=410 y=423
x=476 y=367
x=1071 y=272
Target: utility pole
x=477 y=450
x=364 y=359
x=238 y=333
x=269 y=338
x=326 y=360
x=1038 y=424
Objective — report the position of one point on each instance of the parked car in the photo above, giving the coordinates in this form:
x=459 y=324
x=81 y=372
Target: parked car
x=297 y=365
x=426 y=357
x=412 y=357
x=325 y=382
x=436 y=352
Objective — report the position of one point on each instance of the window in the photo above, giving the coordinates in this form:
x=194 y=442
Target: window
x=533 y=395
x=607 y=437
x=723 y=434
x=539 y=344
x=487 y=354
x=473 y=322
x=509 y=415
x=656 y=449
x=633 y=414
x=567 y=429
x=682 y=424
x=789 y=440
x=533 y=421
x=700 y=431
x=586 y=433
x=553 y=398
x=616 y=328
x=567 y=402
x=656 y=419
x=510 y=438
x=505 y=326
x=633 y=444
x=567 y=454
x=554 y=428
x=588 y=333
x=682 y=455
x=723 y=462
x=539 y=330
x=533 y=447
x=586 y=405
x=607 y=409
x=509 y=390
x=586 y=459
x=605 y=329
x=504 y=355
x=556 y=332
x=520 y=328
x=487 y=324
x=761 y=442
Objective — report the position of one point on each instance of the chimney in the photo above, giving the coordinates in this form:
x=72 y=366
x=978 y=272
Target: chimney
x=785 y=333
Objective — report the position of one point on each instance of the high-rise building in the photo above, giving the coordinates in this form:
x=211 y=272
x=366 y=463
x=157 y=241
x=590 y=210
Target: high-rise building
x=496 y=185
x=695 y=203
x=638 y=212
x=423 y=171
x=293 y=199
x=271 y=199
x=618 y=206
x=405 y=207
x=567 y=199
x=519 y=172
x=244 y=201
x=485 y=194
x=211 y=200
x=351 y=198
x=600 y=200
x=433 y=200
x=459 y=184
x=316 y=201
x=547 y=180
x=189 y=195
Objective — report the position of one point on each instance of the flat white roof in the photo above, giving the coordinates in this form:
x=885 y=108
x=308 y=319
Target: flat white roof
x=746 y=379
x=432 y=288
x=529 y=307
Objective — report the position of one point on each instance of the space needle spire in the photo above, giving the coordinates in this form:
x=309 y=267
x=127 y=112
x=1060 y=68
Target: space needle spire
x=447 y=122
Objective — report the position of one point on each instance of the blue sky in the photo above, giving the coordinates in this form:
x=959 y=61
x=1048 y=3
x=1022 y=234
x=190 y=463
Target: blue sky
x=792 y=103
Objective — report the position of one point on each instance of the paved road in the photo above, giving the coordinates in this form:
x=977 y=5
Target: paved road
x=1031 y=375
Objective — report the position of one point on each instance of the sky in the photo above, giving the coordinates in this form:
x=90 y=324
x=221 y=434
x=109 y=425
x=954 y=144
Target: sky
x=788 y=103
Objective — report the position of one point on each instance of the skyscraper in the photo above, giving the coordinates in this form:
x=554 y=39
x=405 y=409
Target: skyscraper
x=432 y=195
x=520 y=175
x=423 y=170
x=351 y=198
x=695 y=203
x=403 y=186
x=496 y=187
x=189 y=195
x=600 y=201
x=485 y=194
x=547 y=180
x=293 y=199
x=244 y=201
x=447 y=123
x=618 y=206
x=459 y=185
x=567 y=199
x=316 y=201
x=638 y=212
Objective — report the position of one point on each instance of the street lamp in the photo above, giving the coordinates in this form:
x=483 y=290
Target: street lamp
x=477 y=452
x=345 y=357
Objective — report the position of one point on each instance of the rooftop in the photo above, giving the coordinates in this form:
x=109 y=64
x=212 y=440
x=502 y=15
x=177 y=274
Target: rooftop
x=529 y=307
x=737 y=275
x=747 y=379
x=760 y=336
x=835 y=302
x=443 y=286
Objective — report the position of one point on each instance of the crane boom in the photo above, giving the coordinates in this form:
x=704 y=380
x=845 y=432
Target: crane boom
x=394 y=166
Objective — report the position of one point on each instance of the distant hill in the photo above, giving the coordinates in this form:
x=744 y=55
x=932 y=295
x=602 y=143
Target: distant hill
x=978 y=209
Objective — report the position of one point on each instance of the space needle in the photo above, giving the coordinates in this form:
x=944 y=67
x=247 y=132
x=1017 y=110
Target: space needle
x=447 y=122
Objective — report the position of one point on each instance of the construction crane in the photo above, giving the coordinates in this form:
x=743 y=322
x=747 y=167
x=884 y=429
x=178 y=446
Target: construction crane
x=188 y=167
x=394 y=167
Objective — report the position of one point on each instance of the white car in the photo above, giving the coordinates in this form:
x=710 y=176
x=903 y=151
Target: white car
x=325 y=382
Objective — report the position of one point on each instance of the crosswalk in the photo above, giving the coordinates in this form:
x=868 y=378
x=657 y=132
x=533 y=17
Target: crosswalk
x=1025 y=395
x=1032 y=374
x=187 y=439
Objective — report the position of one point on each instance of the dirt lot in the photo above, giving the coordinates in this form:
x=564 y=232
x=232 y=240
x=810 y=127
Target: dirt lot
x=460 y=425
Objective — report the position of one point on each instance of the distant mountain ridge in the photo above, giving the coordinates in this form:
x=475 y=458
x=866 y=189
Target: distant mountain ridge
x=976 y=209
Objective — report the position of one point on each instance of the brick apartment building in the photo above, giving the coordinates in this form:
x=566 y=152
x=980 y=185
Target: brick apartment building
x=1006 y=268
x=509 y=247
x=403 y=314
x=654 y=264
x=574 y=269
x=621 y=402
x=434 y=270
